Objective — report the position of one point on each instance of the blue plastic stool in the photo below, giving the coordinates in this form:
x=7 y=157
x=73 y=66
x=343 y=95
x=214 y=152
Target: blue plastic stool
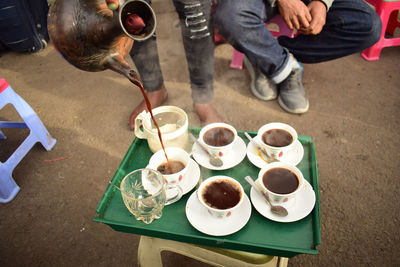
x=38 y=133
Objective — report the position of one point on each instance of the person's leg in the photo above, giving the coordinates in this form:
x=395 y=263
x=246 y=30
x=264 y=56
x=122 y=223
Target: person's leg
x=145 y=56
x=242 y=23
x=197 y=34
x=351 y=26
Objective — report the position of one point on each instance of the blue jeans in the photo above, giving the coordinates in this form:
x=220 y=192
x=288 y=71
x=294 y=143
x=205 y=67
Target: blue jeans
x=197 y=35
x=351 y=26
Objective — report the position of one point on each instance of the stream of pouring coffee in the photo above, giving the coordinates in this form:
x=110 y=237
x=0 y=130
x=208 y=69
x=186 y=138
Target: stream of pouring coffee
x=148 y=104
x=134 y=25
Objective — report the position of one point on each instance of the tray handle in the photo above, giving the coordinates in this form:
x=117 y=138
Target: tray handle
x=110 y=190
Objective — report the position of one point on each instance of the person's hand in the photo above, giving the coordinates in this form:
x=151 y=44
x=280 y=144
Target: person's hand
x=295 y=13
x=318 y=14
x=112 y=4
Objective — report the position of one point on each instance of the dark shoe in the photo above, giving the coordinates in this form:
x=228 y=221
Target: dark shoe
x=260 y=85
x=292 y=96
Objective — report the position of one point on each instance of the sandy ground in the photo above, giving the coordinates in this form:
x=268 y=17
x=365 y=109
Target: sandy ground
x=353 y=120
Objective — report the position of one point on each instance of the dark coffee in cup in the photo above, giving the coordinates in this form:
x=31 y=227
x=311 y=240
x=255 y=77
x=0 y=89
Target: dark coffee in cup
x=221 y=194
x=174 y=167
x=277 y=138
x=218 y=136
x=280 y=180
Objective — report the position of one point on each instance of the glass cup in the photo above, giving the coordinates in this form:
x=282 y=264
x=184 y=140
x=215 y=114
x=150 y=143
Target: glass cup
x=144 y=194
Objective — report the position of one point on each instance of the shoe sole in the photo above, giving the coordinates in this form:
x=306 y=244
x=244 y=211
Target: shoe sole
x=252 y=84
x=296 y=111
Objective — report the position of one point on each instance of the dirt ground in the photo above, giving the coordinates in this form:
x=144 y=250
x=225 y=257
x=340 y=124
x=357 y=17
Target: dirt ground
x=353 y=120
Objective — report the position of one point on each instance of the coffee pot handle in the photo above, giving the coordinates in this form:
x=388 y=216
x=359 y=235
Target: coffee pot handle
x=139 y=132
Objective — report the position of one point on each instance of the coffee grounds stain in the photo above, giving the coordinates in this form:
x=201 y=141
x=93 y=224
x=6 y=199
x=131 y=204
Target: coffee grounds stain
x=362 y=157
x=330 y=133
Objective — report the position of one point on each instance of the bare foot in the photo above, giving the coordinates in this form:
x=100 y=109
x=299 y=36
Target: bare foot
x=207 y=114
x=156 y=98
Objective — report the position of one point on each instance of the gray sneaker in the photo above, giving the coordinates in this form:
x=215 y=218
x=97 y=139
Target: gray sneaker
x=260 y=85
x=292 y=96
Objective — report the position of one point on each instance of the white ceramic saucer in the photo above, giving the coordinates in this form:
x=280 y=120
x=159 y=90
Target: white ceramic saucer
x=293 y=157
x=191 y=177
x=232 y=159
x=302 y=206
x=204 y=222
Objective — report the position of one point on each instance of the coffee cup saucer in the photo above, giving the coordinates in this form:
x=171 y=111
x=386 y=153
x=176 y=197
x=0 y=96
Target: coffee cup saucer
x=302 y=205
x=191 y=177
x=236 y=156
x=199 y=217
x=293 y=157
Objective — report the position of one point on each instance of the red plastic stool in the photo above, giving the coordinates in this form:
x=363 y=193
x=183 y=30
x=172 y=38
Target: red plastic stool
x=388 y=11
x=237 y=57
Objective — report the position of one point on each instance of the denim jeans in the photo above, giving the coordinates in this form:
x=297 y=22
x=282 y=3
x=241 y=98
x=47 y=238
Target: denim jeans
x=197 y=34
x=351 y=26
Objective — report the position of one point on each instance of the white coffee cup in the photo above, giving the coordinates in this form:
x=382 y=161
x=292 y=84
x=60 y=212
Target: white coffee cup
x=276 y=151
x=288 y=188
x=224 y=148
x=173 y=180
x=231 y=195
x=174 y=154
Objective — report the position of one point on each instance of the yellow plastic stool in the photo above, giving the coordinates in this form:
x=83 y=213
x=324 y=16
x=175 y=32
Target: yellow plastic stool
x=150 y=248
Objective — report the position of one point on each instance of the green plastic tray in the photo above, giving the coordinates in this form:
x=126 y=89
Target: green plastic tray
x=260 y=235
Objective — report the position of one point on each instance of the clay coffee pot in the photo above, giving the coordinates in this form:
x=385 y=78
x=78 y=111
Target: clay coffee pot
x=92 y=37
